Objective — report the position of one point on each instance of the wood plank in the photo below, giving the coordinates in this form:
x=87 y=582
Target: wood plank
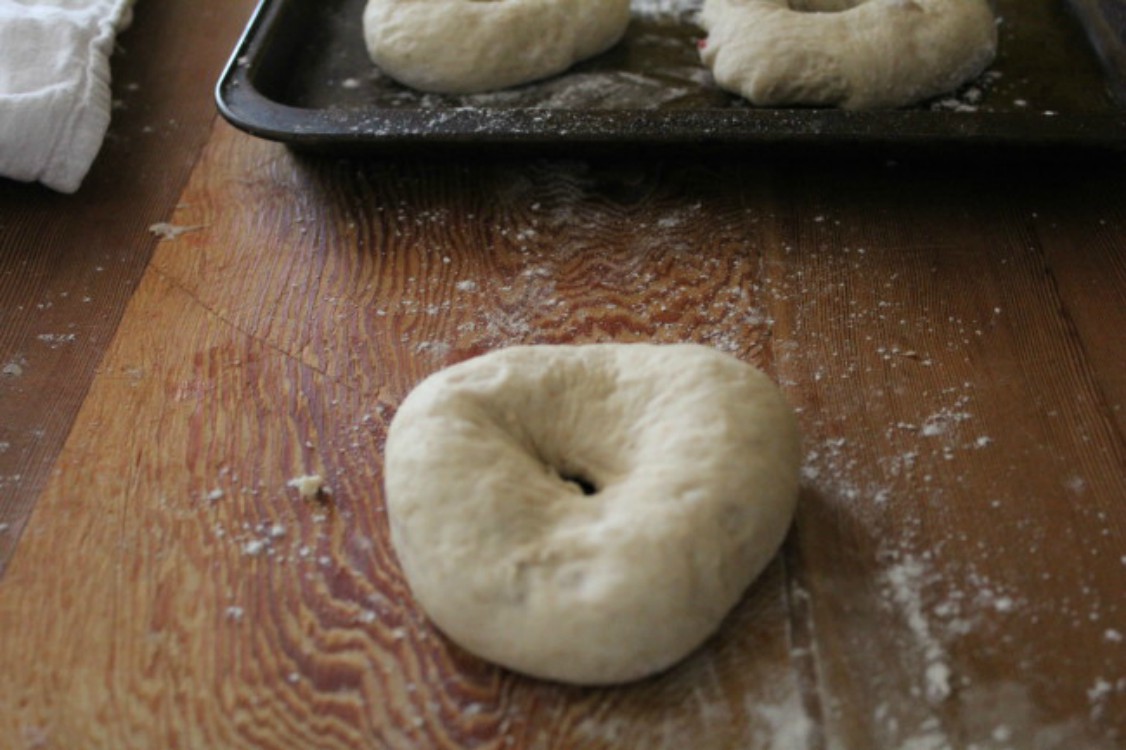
x=961 y=532
x=301 y=326
x=1083 y=245
x=954 y=578
x=71 y=262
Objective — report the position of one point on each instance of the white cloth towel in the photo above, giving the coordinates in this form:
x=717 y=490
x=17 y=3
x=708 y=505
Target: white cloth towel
x=54 y=86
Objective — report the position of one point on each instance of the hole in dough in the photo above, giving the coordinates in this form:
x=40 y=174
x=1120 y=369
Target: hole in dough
x=587 y=486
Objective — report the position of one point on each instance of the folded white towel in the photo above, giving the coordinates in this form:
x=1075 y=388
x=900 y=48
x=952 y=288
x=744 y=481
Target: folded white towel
x=54 y=86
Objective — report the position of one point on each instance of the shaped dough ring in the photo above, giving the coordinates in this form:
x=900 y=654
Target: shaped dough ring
x=857 y=54
x=469 y=46
x=589 y=514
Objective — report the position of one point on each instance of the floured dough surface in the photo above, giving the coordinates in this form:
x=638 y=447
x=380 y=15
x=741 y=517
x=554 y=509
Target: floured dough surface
x=470 y=46
x=589 y=514
x=857 y=54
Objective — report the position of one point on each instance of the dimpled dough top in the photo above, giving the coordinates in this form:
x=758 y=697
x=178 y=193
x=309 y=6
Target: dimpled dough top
x=589 y=514
x=470 y=46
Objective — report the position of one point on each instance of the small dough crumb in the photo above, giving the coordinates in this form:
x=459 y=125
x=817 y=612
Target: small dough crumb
x=167 y=231
x=309 y=486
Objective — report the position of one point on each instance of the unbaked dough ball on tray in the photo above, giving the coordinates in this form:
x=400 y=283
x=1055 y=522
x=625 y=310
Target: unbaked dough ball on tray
x=470 y=46
x=589 y=514
x=856 y=54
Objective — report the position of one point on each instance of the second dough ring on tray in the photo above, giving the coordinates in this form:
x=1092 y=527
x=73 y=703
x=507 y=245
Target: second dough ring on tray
x=471 y=46
x=856 y=54
x=589 y=514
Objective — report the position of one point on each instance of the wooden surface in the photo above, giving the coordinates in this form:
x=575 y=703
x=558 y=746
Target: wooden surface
x=951 y=333
x=68 y=264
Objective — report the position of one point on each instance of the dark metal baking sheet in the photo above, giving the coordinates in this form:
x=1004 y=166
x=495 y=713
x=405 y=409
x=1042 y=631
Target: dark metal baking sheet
x=301 y=75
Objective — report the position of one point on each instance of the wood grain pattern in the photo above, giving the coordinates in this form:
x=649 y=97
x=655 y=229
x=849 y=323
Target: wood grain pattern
x=342 y=304
x=68 y=263
x=962 y=493
x=954 y=575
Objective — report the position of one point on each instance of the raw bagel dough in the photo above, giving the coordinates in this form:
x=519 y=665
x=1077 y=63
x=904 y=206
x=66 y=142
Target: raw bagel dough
x=857 y=54
x=693 y=457
x=469 y=46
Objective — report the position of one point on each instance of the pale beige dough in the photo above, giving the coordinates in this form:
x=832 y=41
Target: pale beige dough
x=856 y=54
x=469 y=46
x=691 y=458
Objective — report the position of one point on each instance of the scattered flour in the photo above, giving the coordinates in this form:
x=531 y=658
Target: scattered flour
x=782 y=725
x=437 y=349
x=903 y=585
x=55 y=340
x=941 y=422
x=1075 y=485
